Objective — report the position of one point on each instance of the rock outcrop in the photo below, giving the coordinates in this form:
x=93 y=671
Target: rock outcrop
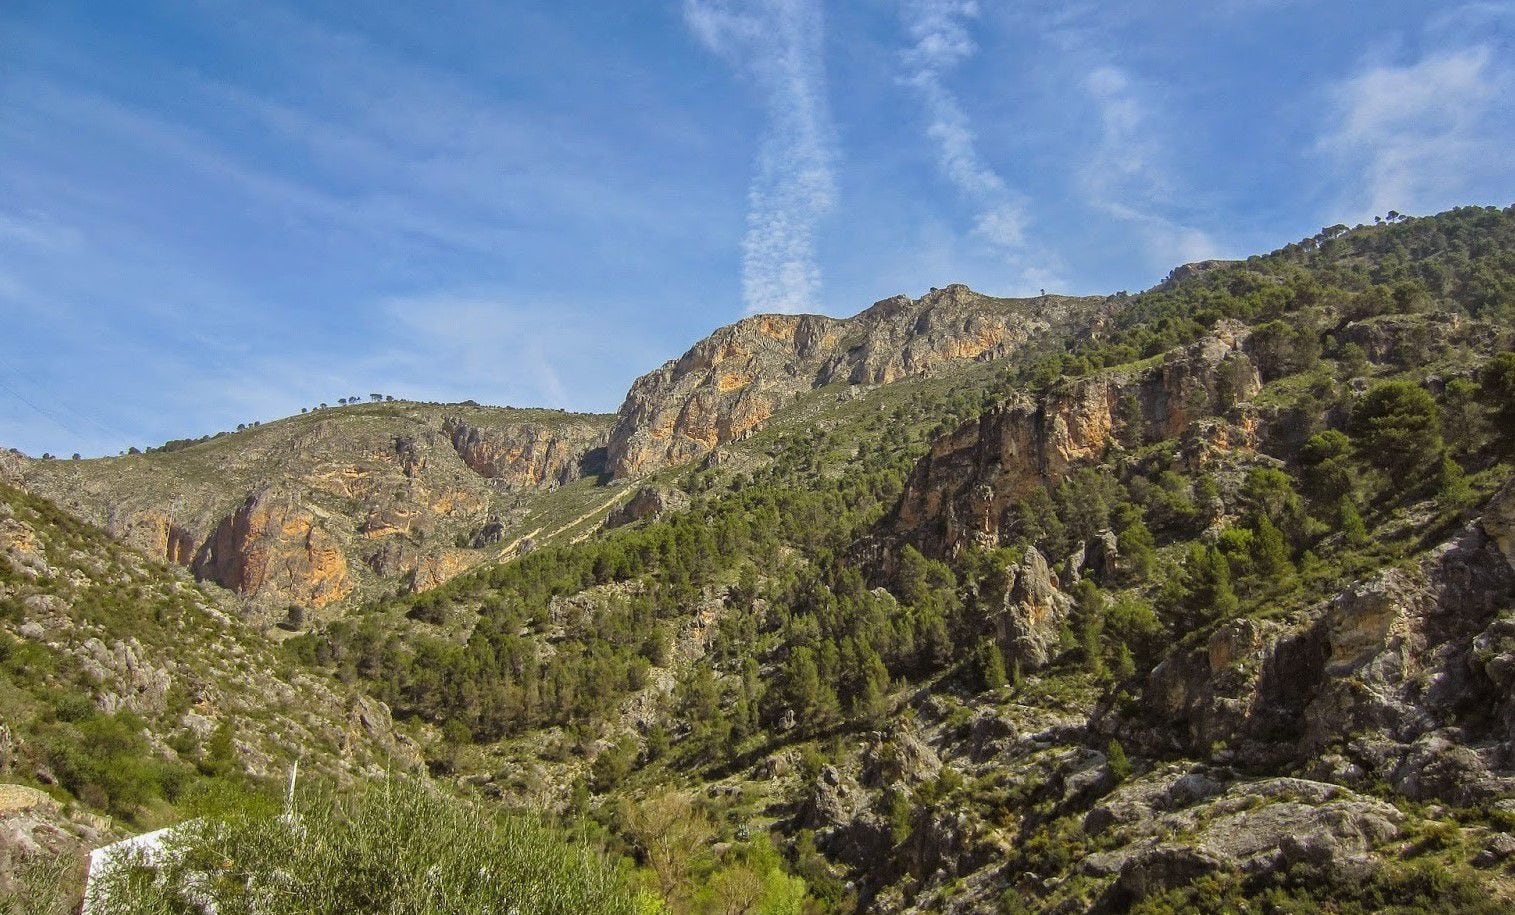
x=1186 y=272
x=1034 y=613
x=529 y=454
x=273 y=547
x=733 y=381
x=648 y=502
x=36 y=830
x=961 y=490
x=1404 y=679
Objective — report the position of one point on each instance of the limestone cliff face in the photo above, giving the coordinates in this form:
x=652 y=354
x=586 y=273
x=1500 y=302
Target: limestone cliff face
x=527 y=454
x=1403 y=678
x=273 y=546
x=961 y=490
x=731 y=382
x=1033 y=612
x=315 y=509
x=724 y=387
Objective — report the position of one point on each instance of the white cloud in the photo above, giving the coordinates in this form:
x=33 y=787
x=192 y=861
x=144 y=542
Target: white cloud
x=1124 y=177
x=39 y=231
x=1422 y=136
x=939 y=31
x=779 y=44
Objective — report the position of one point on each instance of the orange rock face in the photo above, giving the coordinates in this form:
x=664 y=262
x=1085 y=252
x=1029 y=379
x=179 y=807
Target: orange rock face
x=338 y=504
x=729 y=384
x=963 y=488
x=437 y=568
x=523 y=454
x=272 y=547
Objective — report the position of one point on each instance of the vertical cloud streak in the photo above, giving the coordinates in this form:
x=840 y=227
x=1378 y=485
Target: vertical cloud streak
x=1124 y=179
x=778 y=44
x=941 y=42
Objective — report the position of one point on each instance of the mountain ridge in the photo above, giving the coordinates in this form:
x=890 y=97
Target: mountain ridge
x=333 y=536
x=1205 y=602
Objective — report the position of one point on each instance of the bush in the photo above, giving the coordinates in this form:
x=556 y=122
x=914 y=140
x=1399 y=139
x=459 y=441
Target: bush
x=1397 y=427
x=1120 y=766
x=105 y=761
x=395 y=846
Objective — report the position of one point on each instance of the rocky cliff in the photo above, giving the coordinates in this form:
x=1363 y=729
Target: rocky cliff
x=1401 y=679
x=77 y=601
x=1344 y=749
x=733 y=381
x=962 y=490
x=527 y=454
x=313 y=509
x=93 y=633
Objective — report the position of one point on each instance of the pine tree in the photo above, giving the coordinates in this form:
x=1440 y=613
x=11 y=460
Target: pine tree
x=1270 y=555
x=1208 y=582
x=1138 y=551
x=1455 y=494
x=1354 y=532
x=1497 y=383
x=802 y=683
x=991 y=665
x=1115 y=758
x=1328 y=470
x=873 y=696
x=1397 y=428
x=1089 y=613
x=1125 y=662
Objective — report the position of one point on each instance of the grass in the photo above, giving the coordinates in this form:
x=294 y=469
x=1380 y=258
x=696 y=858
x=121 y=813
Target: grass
x=44 y=886
x=392 y=846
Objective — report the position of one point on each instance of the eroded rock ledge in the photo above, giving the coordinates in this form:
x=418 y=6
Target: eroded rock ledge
x=730 y=383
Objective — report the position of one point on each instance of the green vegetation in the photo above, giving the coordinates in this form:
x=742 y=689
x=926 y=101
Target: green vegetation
x=101 y=758
x=393 y=846
x=641 y=676
x=1402 y=889
x=838 y=646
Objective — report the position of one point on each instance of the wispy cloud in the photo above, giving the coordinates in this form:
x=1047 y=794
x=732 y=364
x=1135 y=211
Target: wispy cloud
x=1424 y=135
x=1470 y=23
x=39 y=231
x=939 y=31
x=778 y=43
x=1125 y=173
x=492 y=344
x=1125 y=178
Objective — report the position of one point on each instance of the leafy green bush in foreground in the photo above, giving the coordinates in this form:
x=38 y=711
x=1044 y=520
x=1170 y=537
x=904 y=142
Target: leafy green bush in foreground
x=391 y=847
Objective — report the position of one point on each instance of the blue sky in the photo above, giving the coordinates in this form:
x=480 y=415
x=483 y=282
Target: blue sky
x=216 y=212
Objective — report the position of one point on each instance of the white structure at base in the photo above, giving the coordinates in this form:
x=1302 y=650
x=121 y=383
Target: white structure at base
x=145 y=849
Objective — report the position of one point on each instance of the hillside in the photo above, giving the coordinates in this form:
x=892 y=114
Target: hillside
x=907 y=627
x=129 y=691
x=1198 y=599
x=334 y=506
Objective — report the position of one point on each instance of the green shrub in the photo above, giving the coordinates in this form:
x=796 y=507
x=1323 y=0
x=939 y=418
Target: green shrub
x=1115 y=756
x=394 y=846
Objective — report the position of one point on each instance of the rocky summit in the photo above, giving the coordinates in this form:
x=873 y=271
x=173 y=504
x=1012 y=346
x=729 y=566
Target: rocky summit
x=729 y=384
x=1195 y=600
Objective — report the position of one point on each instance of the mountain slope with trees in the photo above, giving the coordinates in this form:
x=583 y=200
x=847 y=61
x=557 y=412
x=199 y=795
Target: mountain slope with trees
x=1207 y=603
